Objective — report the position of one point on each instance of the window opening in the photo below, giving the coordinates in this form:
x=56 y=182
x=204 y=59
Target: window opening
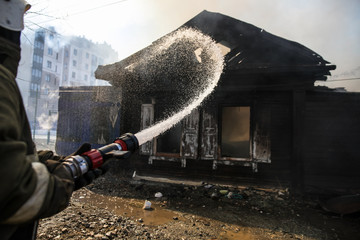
x=235 y=134
x=169 y=142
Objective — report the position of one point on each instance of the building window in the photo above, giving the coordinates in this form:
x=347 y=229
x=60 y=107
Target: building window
x=39 y=45
x=47 y=77
x=66 y=53
x=36 y=73
x=235 y=132
x=170 y=141
x=75 y=52
x=49 y=64
x=34 y=87
x=74 y=63
x=73 y=74
x=85 y=77
x=87 y=66
x=51 y=36
x=93 y=60
x=50 y=51
x=37 y=58
x=87 y=55
x=65 y=65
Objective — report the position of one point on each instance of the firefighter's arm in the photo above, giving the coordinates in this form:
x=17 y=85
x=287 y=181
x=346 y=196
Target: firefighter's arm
x=28 y=189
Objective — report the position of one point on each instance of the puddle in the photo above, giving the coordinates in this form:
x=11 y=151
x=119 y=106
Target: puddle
x=158 y=215
x=130 y=207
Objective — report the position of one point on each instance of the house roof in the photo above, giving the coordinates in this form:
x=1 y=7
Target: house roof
x=252 y=50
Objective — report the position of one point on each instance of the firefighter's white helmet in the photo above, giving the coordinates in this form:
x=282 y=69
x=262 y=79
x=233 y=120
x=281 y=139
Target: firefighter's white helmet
x=12 y=14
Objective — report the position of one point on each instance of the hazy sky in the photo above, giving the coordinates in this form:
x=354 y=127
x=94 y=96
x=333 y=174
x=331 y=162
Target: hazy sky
x=328 y=27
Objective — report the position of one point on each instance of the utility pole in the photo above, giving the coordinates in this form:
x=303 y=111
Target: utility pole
x=48 y=135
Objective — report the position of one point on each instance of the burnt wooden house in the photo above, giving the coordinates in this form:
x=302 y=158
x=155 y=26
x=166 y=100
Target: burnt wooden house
x=265 y=122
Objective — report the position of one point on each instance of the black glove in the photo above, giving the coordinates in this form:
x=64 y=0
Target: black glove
x=46 y=155
x=87 y=178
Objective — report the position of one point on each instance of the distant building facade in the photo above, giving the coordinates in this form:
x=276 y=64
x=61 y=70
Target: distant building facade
x=60 y=61
x=24 y=70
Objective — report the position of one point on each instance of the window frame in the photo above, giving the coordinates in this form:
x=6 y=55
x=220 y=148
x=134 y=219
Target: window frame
x=242 y=159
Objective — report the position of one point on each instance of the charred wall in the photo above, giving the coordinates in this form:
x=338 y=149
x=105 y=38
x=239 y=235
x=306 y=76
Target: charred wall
x=272 y=108
x=313 y=135
x=331 y=156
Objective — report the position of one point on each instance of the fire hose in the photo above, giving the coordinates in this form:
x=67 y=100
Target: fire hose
x=121 y=148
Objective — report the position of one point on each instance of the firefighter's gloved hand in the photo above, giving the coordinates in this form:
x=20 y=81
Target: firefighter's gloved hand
x=48 y=154
x=88 y=177
x=85 y=147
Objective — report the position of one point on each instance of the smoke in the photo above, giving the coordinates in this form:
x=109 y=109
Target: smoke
x=47 y=122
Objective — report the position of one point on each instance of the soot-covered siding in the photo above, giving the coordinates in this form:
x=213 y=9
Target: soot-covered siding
x=200 y=155
x=331 y=157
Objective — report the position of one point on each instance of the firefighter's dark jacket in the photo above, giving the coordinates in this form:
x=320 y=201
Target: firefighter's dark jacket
x=28 y=191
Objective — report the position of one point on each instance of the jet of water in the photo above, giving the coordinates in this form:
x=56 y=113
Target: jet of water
x=214 y=68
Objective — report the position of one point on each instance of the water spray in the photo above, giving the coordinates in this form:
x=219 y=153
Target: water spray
x=208 y=78
x=128 y=143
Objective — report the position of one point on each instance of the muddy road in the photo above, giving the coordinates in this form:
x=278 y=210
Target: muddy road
x=112 y=208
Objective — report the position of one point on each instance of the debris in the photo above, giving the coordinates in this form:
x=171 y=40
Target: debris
x=99 y=236
x=224 y=192
x=147 y=205
x=214 y=196
x=232 y=195
x=194 y=209
x=158 y=195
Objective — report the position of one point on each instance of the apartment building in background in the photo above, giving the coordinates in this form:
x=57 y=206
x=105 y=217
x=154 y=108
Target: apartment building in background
x=59 y=61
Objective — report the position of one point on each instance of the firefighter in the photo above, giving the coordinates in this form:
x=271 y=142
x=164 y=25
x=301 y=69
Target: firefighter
x=33 y=185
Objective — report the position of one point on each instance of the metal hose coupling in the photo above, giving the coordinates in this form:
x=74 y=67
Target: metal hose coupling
x=128 y=141
x=121 y=148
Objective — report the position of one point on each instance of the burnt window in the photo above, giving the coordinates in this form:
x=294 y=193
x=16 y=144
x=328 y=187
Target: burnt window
x=180 y=140
x=235 y=132
x=169 y=142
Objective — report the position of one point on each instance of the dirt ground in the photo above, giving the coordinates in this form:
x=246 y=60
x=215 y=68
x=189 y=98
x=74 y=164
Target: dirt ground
x=112 y=208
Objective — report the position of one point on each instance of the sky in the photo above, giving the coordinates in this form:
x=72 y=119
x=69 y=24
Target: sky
x=328 y=27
